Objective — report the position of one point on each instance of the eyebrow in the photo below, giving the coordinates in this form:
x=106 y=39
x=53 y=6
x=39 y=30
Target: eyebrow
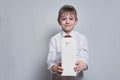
x=65 y=16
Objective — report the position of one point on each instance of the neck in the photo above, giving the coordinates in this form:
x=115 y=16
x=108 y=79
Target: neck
x=68 y=32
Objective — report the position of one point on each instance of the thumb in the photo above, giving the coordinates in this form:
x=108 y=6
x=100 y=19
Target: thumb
x=77 y=63
x=60 y=63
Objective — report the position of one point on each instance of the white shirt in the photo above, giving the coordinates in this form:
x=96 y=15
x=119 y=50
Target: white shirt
x=54 y=55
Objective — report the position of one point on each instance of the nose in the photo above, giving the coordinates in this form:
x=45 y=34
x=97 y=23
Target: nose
x=67 y=21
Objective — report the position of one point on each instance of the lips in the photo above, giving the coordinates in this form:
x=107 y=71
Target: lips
x=67 y=25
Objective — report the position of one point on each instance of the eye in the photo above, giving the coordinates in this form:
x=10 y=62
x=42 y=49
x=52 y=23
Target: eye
x=63 y=18
x=71 y=18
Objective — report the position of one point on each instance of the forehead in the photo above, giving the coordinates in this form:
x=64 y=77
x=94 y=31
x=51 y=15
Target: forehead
x=68 y=13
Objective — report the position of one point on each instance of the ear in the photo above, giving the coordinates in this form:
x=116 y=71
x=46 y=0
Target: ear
x=76 y=21
x=58 y=21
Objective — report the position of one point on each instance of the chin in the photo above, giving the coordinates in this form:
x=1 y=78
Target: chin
x=67 y=30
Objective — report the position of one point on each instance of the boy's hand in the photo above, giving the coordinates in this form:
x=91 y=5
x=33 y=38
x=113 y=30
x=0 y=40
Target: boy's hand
x=80 y=66
x=57 y=68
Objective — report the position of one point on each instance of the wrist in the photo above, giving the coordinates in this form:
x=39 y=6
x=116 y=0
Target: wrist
x=86 y=67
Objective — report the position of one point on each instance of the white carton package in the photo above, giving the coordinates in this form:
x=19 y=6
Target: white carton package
x=68 y=56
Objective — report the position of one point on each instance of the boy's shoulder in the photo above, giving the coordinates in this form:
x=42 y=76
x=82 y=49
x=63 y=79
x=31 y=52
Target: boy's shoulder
x=80 y=35
x=56 y=36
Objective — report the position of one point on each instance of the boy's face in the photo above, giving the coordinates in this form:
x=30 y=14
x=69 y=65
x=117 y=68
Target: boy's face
x=67 y=21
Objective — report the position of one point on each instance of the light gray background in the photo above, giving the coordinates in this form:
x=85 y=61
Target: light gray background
x=27 y=25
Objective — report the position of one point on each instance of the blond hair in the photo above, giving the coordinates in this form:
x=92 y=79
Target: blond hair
x=67 y=8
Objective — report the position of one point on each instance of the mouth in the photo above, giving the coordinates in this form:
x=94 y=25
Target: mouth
x=67 y=25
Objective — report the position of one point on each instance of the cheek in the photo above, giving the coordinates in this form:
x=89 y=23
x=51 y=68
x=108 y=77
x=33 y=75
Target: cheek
x=62 y=22
x=73 y=22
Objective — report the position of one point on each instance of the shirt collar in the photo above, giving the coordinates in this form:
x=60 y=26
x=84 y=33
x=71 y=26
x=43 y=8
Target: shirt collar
x=71 y=34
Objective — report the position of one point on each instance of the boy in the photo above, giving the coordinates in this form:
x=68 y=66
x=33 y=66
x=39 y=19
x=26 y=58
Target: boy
x=67 y=19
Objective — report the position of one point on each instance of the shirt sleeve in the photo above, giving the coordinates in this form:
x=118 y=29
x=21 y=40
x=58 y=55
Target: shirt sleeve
x=52 y=54
x=83 y=50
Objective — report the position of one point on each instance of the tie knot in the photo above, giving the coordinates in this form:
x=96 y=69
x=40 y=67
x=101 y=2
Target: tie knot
x=67 y=36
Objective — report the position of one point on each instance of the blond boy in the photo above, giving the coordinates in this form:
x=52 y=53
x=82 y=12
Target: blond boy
x=67 y=19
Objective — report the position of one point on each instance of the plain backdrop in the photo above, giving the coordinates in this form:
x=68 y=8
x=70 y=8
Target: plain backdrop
x=27 y=25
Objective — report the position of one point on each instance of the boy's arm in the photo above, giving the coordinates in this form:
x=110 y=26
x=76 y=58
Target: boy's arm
x=51 y=60
x=83 y=53
x=51 y=55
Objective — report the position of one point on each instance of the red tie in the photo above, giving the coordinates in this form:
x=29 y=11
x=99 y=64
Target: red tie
x=67 y=36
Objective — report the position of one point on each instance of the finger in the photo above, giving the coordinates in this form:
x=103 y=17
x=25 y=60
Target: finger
x=60 y=70
x=59 y=67
x=77 y=66
x=77 y=63
x=78 y=69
